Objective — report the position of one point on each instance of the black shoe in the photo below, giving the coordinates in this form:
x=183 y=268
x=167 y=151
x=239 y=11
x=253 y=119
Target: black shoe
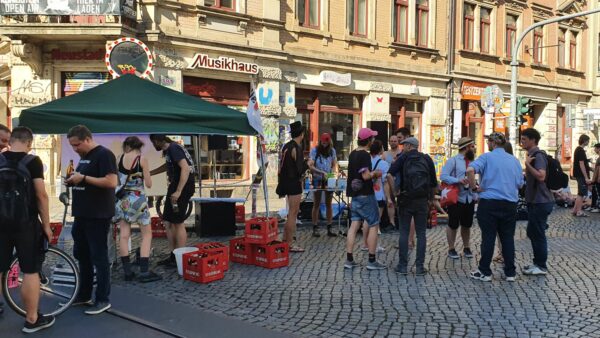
x=167 y=263
x=421 y=272
x=467 y=252
x=330 y=233
x=41 y=323
x=79 y=302
x=149 y=276
x=453 y=254
x=98 y=308
x=316 y=232
x=401 y=270
x=129 y=277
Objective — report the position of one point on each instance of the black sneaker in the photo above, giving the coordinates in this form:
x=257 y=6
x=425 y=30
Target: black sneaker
x=149 y=276
x=80 y=302
x=467 y=252
x=330 y=233
x=401 y=270
x=41 y=323
x=98 y=308
x=453 y=254
x=421 y=272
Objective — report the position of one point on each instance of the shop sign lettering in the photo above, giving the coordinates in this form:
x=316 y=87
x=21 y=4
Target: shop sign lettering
x=60 y=7
x=471 y=90
x=338 y=79
x=84 y=54
x=222 y=63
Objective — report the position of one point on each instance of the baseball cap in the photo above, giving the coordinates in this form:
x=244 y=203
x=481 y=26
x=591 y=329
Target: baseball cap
x=325 y=137
x=497 y=138
x=410 y=140
x=365 y=133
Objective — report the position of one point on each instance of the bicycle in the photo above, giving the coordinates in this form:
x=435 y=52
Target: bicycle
x=59 y=279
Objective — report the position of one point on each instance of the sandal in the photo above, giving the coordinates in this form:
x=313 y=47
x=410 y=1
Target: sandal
x=296 y=249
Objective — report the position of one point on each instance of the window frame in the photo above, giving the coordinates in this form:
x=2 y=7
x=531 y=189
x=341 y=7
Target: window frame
x=217 y=4
x=573 y=51
x=419 y=10
x=485 y=22
x=510 y=35
x=306 y=23
x=562 y=47
x=469 y=21
x=398 y=5
x=355 y=27
x=538 y=44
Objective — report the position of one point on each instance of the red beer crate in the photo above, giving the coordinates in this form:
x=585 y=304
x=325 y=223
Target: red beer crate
x=203 y=267
x=271 y=256
x=158 y=228
x=240 y=251
x=240 y=213
x=56 y=230
x=261 y=230
x=216 y=247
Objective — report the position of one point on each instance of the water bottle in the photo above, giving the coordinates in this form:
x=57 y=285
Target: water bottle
x=307 y=183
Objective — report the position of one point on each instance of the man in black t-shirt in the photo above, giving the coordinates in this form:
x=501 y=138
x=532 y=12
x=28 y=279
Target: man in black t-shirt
x=94 y=183
x=364 y=206
x=581 y=172
x=28 y=238
x=180 y=173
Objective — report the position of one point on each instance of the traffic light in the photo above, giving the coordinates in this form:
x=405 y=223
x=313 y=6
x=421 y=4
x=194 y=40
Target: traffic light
x=524 y=108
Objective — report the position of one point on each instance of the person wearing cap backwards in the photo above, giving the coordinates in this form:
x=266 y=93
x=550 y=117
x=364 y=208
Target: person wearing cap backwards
x=501 y=178
x=414 y=203
x=460 y=214
x=364 y=205
x=289 y=184
x=322 y=161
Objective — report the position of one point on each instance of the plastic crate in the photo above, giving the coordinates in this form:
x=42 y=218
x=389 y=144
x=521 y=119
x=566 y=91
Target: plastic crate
x=216 y=247
x=271 y=256
x=240 y=251
x=56 y=230
x=240 y=213
x=203 y=267
x=261 y=230
x=158 y=228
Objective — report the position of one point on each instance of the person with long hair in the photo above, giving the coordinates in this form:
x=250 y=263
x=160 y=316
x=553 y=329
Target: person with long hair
x=322 y=162
x=581 y=172
x=132 y=207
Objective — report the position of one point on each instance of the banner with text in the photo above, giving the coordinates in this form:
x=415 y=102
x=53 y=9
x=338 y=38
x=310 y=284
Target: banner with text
x=61 y=7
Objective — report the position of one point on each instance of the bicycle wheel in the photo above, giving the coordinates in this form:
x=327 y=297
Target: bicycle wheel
x=59 y=278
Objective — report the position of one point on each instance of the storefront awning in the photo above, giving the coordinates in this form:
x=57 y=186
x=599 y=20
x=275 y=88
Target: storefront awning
x=130 y=105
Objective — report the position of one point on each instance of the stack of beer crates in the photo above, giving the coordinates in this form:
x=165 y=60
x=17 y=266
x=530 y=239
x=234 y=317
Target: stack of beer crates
x=260 y=246
x=208 y=264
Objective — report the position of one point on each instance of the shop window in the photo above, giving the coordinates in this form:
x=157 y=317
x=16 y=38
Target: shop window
x=511 y=34
x=407 y=113
x=401 y=21
x=484 y=28
x=228 y=5
x=73 y=83
x=356 y=17
x=561 y=48
x=422 y=22
x=309 y=13
x=538 y=44
x=573 y=51
x=468 y=27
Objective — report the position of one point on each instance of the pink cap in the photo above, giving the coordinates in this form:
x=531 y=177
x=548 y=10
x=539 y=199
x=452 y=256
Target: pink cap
x=365 y=133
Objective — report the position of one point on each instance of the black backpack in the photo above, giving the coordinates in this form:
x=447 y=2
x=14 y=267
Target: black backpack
x=415 y=177
x=555 y=177
x=16 y=192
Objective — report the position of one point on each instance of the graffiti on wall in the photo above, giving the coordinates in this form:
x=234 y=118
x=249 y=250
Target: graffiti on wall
x=31 y=93
x=438 y=161
x=438 y=140
x=271 y=134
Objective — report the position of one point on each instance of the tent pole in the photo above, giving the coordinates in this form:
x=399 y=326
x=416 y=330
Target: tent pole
x=264 y=174
x=214 y=153
x=197 y=150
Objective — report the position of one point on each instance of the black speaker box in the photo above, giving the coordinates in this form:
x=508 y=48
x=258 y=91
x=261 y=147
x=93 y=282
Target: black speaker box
x=217 y=142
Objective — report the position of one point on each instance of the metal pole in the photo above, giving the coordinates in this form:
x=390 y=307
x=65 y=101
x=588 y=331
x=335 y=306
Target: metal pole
x=264 y=173
x=515 y=67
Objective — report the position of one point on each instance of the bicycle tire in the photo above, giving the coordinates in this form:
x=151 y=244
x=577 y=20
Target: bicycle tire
x=158 y=202
x=63 y=306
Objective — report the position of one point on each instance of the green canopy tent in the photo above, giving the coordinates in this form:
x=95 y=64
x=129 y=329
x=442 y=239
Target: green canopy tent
x=129 y=105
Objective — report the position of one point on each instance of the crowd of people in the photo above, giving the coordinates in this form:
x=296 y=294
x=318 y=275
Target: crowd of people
x=403 y=180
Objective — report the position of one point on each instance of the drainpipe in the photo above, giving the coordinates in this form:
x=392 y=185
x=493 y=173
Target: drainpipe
x=450 y=70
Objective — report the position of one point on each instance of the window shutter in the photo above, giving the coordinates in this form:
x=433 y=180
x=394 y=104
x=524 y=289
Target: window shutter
x=350 y=15
x=301 y=11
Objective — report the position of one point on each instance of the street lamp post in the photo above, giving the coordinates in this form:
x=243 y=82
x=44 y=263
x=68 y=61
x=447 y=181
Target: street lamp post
x=515 y=67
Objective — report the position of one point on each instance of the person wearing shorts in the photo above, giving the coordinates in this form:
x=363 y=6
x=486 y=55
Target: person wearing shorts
x=28 y=238
x=581 y=172
x=364 y=204
x=180 y=174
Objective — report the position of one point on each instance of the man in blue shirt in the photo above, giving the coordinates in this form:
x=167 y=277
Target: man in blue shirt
x=501 y=178
x=460 y=214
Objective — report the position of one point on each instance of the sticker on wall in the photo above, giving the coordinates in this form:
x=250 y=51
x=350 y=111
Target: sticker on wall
x=265 y=99
x=290 y=100
x=129 y=56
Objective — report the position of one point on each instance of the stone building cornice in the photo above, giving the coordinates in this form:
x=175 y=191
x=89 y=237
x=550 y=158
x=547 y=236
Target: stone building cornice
x=516 y=5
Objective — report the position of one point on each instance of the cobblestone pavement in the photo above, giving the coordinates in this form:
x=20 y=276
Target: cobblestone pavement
x=315 y=296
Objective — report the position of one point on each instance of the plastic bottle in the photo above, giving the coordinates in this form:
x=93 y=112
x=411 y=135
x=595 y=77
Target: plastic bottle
x=70 y=169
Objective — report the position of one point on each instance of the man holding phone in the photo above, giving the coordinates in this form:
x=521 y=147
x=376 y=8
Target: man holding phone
x=29 y=238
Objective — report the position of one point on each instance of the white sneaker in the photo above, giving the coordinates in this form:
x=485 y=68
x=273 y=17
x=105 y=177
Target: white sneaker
x=380 y=248
x=478 y=275
x=364 y=248
x=511 y=279
x=534 y=270
x=595 y=210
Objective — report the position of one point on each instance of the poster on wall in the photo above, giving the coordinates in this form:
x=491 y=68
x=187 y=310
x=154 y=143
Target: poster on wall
x=438 y=140
x=60 y=7
x=114 y=142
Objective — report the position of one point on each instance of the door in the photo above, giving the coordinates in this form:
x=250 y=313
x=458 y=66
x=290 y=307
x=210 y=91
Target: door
x=475 y=124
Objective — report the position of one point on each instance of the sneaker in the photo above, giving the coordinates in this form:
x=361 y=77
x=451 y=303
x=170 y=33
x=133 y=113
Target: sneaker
x=480 y=276
x=330 y=233
x=421 y=272
x=98 y=308
x=401 y=270
x=453 y=254
x=364 y=248
x=467 y=252
x=149 y=276
x=350 y=265
x=41 y=323
x=510 y=279
x=380 y=248
x=595 y=210
x=375 y=266
x=80 y=302
x=316 y=232
x=534 y=270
